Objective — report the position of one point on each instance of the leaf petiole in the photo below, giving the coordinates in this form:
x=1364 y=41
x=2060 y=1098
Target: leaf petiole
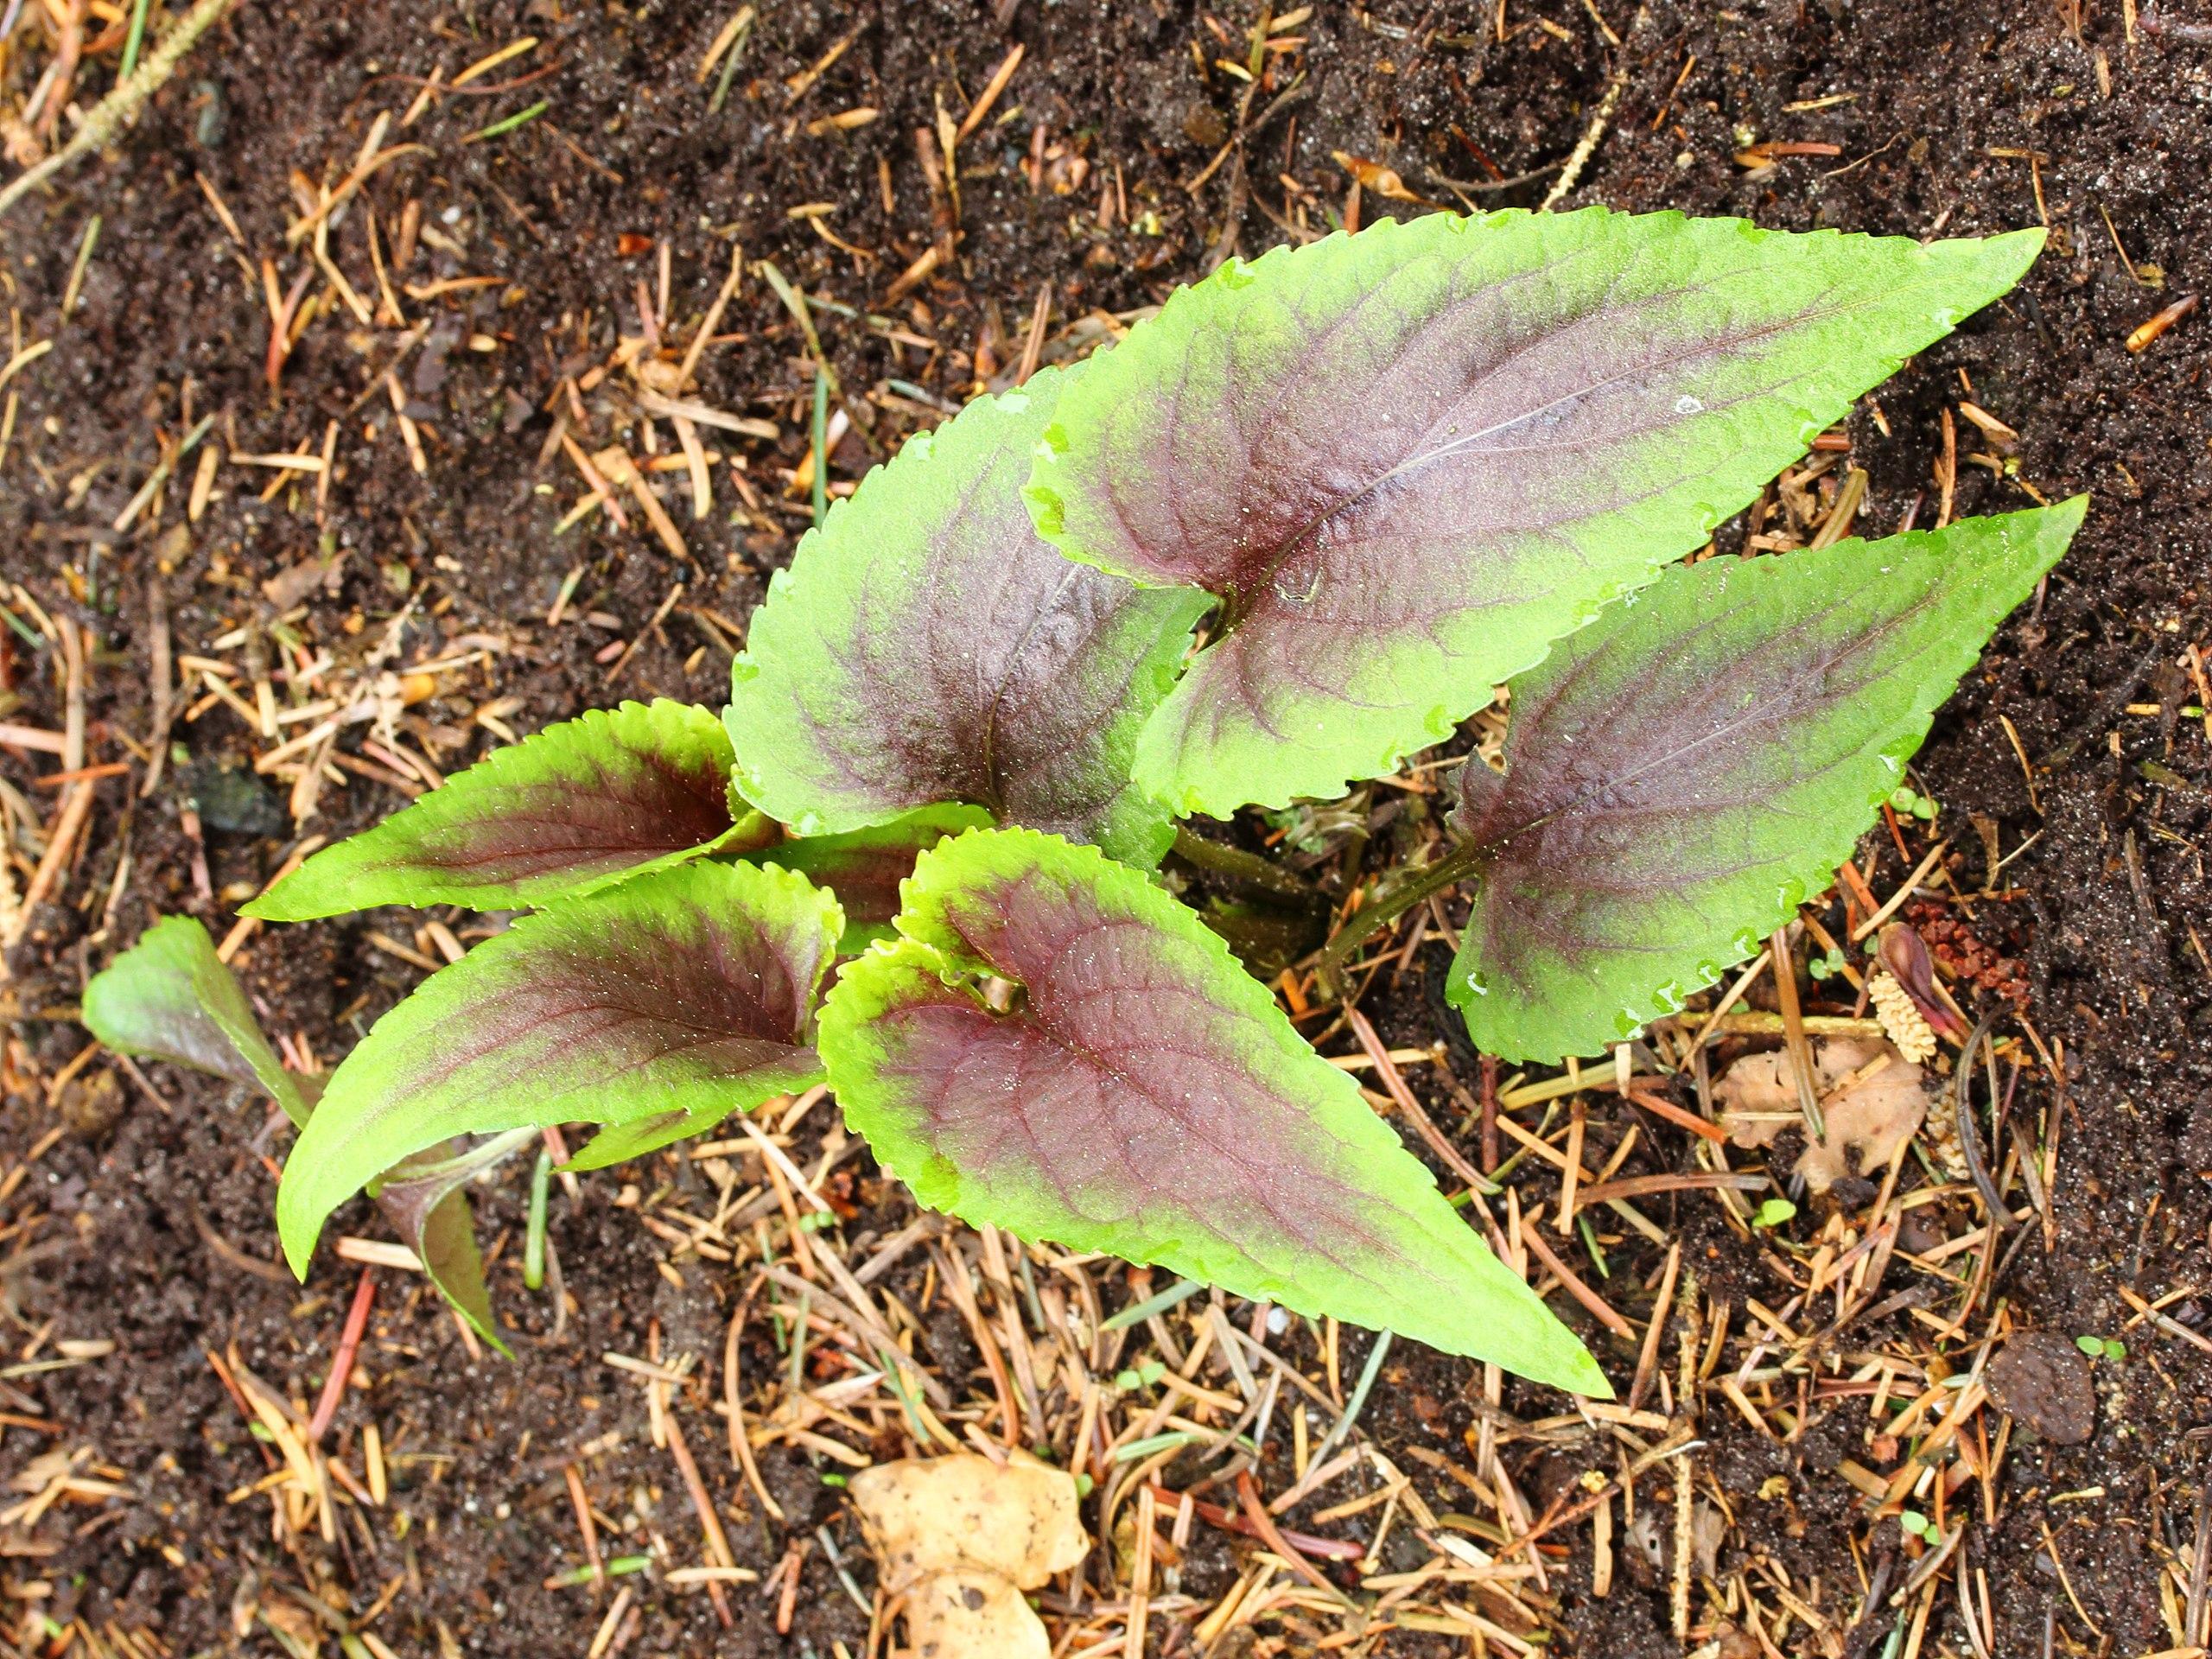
x=1394 y=901
x=1250 y=870
x=533 y=1246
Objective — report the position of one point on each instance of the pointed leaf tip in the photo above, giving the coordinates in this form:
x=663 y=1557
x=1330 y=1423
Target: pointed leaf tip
x=1684 y=772
x=611 y=794
x=1405 y=460
x=1146 y=1096
x=688 y=991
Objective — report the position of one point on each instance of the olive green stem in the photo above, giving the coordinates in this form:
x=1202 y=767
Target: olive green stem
x=1411 y=888
x=1221 y=859
x=533 y=1244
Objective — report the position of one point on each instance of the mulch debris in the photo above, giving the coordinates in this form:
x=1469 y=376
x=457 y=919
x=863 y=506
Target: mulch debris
x=410 y=379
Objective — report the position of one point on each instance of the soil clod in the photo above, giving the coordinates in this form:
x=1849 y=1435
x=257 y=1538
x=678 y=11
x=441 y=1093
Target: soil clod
x=2043 y=1378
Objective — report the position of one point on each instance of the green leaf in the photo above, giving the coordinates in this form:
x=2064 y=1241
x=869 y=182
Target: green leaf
x=1405 y=462
x=1135 y=1092
x=426 y=1201
x=688 y=991
x=613 y=794
x=926 y=647
x=1683 y=772
x=619 y=1143
x=169 y=997
x=864 y=868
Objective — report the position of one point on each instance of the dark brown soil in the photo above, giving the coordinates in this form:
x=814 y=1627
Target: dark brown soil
x=1950 y=120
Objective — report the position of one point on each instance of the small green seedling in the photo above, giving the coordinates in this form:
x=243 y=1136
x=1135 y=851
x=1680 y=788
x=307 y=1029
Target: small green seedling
x=1773 y=1212
x=1916 y=1525
x=1142 y=1376
x=2110 y=1347
x=1905 y=799
x=1294 y=528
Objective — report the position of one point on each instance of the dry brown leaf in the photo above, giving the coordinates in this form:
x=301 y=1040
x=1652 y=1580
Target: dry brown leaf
x=961 y=1538
x=298 y=584
x=1871 y=1098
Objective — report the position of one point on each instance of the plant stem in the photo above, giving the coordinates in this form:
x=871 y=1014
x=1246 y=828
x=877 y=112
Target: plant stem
x=821 y=480
x=1222 y=859
x=1410 y=889
x=533 y=1244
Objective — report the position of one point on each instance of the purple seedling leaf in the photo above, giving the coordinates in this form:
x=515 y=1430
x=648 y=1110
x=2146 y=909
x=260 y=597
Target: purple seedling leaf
x=927 y=647
x=1680 y=774
x=1129 y=1087
x=1405 y=462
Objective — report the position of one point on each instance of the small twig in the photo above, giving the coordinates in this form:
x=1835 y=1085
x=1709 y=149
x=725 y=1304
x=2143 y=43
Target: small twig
x=710 y=1524
x=1793 y=1034
x=1395 y=1081
x=2194 y=1627
x=1484 y=187
x=741 y=1446
x=659 y=617
x=1700 y=1180
x=1263 y=1527
x=712 y=319
x=72 y=708
x=341 y=1366
x=2118 y=696
x=163 y=673
x=2159 y=27
x=1970 y=1135
x=1647 y=1362
x=2065 y=1580
x=989 y=95
x=1598 y=1307
x=1685 y=1353
x=1600 y=118
x=1329 y=1549
x=585 y=1525
x=75 y=810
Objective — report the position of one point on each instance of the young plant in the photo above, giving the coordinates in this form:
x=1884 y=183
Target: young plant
x=170 y=997
x=1297 y=526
